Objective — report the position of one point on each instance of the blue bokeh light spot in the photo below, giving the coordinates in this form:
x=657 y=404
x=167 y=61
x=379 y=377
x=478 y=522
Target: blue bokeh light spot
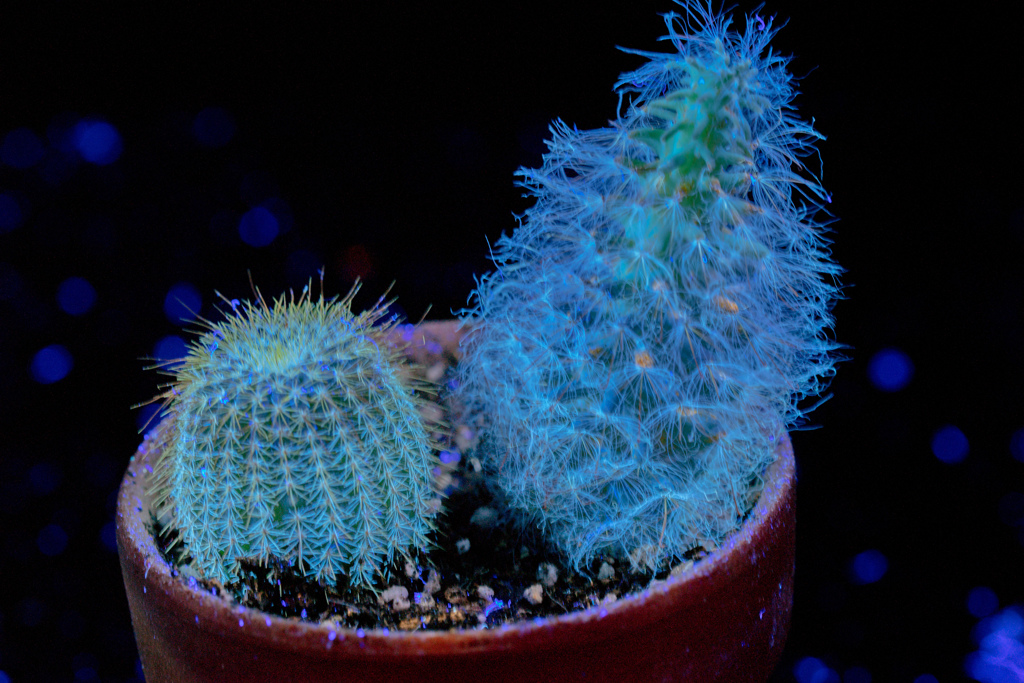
x=182 y=303
x=982 y=601
x=98 y=142
x=85 y=665
x=4 y=678
x=86 y=674
x=52 y=540
x=108 y=536
x=21 y=149
x=76 y=296
x=51 y=364
x=170 y=348
x=868 y=567
x=32 y=610
x=950 y=445
x=258 y=227
x=1000 y=657
x=926 y=678
x=281 y=211
x=213 y=127
x=11 y=214
x=890 y=370
x=813 y=670
x=1017 y=445
x=61 y=131
x=45 y=477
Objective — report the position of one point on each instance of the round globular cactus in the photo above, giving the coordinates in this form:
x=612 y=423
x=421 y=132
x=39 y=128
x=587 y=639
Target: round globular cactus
x=655 y=321
x=294 y=432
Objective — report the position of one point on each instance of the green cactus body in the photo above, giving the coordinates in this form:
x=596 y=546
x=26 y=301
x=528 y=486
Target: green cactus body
x=662 y=309
x=294 y=432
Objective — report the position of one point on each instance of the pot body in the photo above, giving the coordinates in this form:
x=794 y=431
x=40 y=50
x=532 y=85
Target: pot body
x=724 y=619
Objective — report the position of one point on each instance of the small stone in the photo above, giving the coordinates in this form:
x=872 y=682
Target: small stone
x=681 y=568
x=483 y=517
x=435 y=372
x=646 y=555
x=433 y=583
x=442 y=480
x=486 y=593
x=609 y=598
x=547 y=573
x=462 y=545
x=410 y=569
x=606 y=572
x=475 y=464
x=394 y=594
x=464 y=438
x=534 y=594
x=453 y=595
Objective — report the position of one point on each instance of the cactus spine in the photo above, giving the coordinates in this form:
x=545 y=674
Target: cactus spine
x=294 y=432
x=656 y=318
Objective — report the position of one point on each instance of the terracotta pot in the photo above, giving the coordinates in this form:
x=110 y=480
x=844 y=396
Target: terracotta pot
x=723 y=620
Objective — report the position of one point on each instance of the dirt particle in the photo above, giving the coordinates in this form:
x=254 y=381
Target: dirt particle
x=484 y=517
x=547 y=574
x=398 y=596
x=681 y=568
x=534 y=594
x=433 y=583
x=455 y=596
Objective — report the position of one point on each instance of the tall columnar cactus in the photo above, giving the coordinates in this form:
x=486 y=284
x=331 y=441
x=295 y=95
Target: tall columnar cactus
x=655 y=321
x=295 y=432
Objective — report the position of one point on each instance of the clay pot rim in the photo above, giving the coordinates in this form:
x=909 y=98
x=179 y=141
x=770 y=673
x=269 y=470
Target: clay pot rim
x=139 y=548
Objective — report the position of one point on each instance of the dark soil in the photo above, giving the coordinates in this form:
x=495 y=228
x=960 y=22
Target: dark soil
x=482 y=574
x=500 y=579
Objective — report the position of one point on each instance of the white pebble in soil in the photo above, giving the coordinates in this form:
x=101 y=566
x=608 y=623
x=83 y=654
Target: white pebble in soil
x=534 y=594
x=484 y=517
x=398 y=596
x=547 y=574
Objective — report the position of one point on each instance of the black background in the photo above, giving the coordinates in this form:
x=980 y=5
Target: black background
x=391 y=133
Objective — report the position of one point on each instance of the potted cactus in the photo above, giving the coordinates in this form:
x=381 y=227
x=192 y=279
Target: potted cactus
x=616 y=401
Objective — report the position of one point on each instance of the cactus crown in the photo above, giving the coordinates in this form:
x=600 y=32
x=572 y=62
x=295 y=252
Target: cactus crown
x=656 y=319
x=295 y=432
